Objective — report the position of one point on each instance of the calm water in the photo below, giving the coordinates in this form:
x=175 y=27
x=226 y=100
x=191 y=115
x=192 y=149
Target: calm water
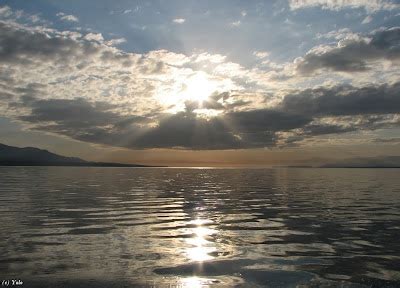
x=123 y=227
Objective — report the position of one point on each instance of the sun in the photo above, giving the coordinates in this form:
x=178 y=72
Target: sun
x=195 y=87
x=198 y=88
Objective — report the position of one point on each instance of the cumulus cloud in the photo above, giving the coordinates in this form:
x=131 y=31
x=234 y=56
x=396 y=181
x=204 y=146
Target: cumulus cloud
x=343 y=33
x=236 y=23
x=304 y=114
x=344 y=100
x=179 y=20
x=94 y=37
x=343 y=109
x=353 y=54
x=261 y=54
x=369 y=5
x=68 y=18
x=81 y=87
x=5 y=11
x=116 y=41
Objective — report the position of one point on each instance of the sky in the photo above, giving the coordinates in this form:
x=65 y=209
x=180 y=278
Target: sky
x=202 y=83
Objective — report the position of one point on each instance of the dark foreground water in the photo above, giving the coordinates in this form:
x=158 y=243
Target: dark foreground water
x=124 y=227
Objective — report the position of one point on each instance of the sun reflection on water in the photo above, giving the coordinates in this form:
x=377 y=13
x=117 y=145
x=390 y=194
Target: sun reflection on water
x=194 y=282
x=200 y=247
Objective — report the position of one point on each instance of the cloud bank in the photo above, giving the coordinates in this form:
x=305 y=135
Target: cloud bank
x=81 y=86
x=369 y=5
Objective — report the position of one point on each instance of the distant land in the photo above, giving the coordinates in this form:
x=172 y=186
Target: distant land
x=366 y=162
x=360 y=162
x=30 y=156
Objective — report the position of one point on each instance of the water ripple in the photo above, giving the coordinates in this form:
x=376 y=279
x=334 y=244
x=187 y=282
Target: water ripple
x=121 y=227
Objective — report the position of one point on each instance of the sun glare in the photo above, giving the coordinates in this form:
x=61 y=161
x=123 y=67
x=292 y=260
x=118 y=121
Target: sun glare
x=198 y=88
x=200 y=248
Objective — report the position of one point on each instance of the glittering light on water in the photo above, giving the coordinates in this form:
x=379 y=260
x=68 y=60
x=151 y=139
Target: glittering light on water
x=200 y=247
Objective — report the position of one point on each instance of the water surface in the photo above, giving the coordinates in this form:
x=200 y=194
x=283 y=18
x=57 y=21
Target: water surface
x=124 y=227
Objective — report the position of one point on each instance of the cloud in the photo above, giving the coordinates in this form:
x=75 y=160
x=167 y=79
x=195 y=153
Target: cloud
x=315 y=129
x=19 y=45
x=265 y=120
x=81 y=87
x=5 y=11
x=94 y=37
x=261 y=54
x=96 y=123
x=236 y=23
x=116 y=41
x=343 y=33
x=344 y=100
x=71 y=113
x=306 y=114
x=336 y=5
x=185 y=130
x=343 y=109
x=68 y=18
x=353 y=54
x=179 y=20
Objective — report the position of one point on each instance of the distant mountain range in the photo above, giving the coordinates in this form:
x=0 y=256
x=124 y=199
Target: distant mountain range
x=30 y=156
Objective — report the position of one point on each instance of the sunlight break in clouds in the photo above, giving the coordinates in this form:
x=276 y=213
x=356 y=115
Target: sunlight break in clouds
x=79 y=85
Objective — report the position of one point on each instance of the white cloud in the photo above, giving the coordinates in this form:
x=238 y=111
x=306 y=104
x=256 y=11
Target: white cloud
x=94 y=37
x=5 y=11
x=179 y=20
x=236 y=23
x=116 y=41
x=44 y=67
x=68 y=18
x=261 y=54
x=369 y=5
x=344 y=33
x=212 y=58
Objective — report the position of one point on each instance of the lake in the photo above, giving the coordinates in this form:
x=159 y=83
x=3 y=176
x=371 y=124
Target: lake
x=173 y=227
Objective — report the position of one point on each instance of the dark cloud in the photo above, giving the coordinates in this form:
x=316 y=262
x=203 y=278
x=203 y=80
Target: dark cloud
x=97 y=123
x=344 y=100
x=356 y=109
x=24 y=46
x=301 y=113
x=216 y=101
x=76 y=113
x=324 y=129
x=266 y=120
x=353 y=55
x=186 y=130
